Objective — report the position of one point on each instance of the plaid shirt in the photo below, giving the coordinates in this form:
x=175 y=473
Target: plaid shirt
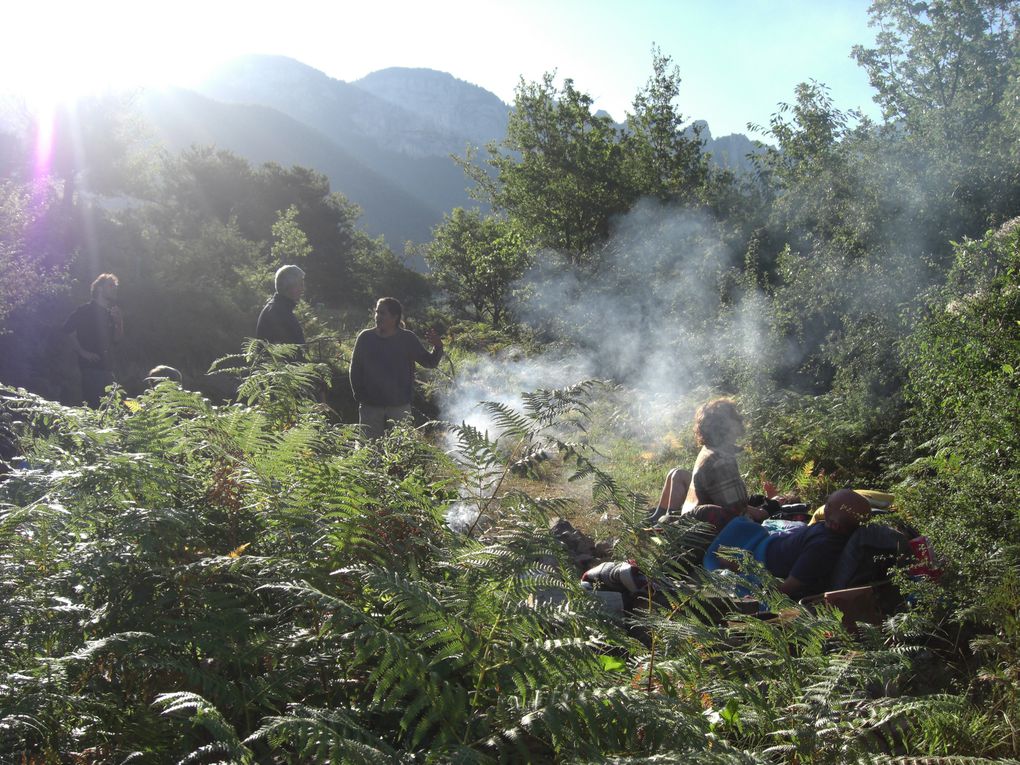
x=716 y=481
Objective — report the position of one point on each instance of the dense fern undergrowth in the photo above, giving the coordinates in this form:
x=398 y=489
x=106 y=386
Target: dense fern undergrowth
x=245 y=583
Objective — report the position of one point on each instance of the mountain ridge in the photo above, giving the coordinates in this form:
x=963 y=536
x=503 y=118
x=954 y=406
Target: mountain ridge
x=385 y=141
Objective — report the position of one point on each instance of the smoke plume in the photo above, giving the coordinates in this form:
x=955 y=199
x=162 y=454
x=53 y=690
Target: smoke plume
x=649 y=316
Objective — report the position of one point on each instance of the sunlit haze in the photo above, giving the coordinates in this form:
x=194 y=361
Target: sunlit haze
x=738 y=59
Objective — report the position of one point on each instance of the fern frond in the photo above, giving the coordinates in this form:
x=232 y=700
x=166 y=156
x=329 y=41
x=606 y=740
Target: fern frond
x=321 y=735
x=204 y=714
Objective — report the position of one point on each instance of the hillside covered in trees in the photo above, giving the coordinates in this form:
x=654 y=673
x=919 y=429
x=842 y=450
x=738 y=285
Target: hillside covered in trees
x=221 y=572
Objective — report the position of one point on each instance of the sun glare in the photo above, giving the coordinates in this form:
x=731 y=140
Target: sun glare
x=67 y=51
x=57 y=53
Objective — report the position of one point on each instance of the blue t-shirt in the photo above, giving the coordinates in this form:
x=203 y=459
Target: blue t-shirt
x=808 y=554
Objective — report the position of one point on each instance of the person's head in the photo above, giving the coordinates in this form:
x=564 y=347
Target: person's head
x=163 y=372
x=845 y=511
x=290 y=282
x=104 y=287
x=389 y=314
x=718 y=423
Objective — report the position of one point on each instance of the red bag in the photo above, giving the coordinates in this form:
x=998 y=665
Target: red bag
x=927 y=566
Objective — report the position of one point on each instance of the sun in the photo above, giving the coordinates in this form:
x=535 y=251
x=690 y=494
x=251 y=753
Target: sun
x=58 y=53
x=67 y=50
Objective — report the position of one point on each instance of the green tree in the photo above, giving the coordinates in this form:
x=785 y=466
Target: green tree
x=943 y=66
x=560 y=171
x=328 y=220
x=24 y=275
x=664 y=154
x=962 y=480
x=476 y=260
x=345 y=265
x=290 y=244
x=94 y=147
x=946 y=73
x=563 y=174
x=822 y=247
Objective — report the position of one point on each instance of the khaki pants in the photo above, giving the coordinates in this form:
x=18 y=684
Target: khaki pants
x=375 y=420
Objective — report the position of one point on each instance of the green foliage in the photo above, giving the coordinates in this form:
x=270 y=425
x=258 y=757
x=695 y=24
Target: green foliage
x=663 y=154
x=194 y=249
x=946 y=74
x=290 y=245
x=95 y=148
x=23 y=277
x=943 y=66
x=560 y=170
x=563 y=174
x=476 y=261
x=292 y=209
x=190 y=582
x=963 y=484
x=268 y=379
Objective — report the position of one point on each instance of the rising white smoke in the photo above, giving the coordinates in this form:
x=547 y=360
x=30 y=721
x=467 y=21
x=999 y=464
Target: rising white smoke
x=648 y=318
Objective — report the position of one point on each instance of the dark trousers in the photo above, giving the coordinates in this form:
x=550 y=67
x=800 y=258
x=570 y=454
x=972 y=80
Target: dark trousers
x=94 y=383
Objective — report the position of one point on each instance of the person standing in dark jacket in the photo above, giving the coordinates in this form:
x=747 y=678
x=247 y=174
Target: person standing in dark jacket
x=382 y=367
x=95 y=328
x=277 y=322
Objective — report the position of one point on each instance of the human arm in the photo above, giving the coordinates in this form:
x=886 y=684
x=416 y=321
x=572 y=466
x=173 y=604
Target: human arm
x=430 y=359
x=791 y=585
x=674 y=490
x=117 y=323
x=71 y=326
x=805 y=558
x=757 y=514
x=87 y=355
x=357 y=369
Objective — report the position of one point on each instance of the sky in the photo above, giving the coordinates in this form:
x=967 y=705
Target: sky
x=738 y=59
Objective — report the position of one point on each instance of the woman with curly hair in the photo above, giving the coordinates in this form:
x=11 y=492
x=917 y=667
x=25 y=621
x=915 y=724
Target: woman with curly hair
x=714 y=491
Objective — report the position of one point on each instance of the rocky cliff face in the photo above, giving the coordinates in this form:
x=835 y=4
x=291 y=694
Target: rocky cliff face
x=348 y=113
x=730 y=152
x=457 y=108
x=733 y=152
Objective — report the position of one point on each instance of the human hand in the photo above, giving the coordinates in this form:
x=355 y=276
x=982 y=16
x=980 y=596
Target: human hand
x=756 y=514
x=433 y=336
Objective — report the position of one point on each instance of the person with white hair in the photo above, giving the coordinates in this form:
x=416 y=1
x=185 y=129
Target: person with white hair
x=95 y=328
x=162 y=373
x=277 y=322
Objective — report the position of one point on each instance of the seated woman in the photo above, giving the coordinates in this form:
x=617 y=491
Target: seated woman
x=715 y=492
x=674 y=491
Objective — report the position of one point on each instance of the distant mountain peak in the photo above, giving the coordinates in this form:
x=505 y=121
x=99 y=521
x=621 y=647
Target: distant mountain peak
x=453 y=105
x=385 y=139
x=262 y=64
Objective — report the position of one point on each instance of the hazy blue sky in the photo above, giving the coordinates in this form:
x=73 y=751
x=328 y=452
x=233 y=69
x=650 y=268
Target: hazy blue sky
x=738 y=58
